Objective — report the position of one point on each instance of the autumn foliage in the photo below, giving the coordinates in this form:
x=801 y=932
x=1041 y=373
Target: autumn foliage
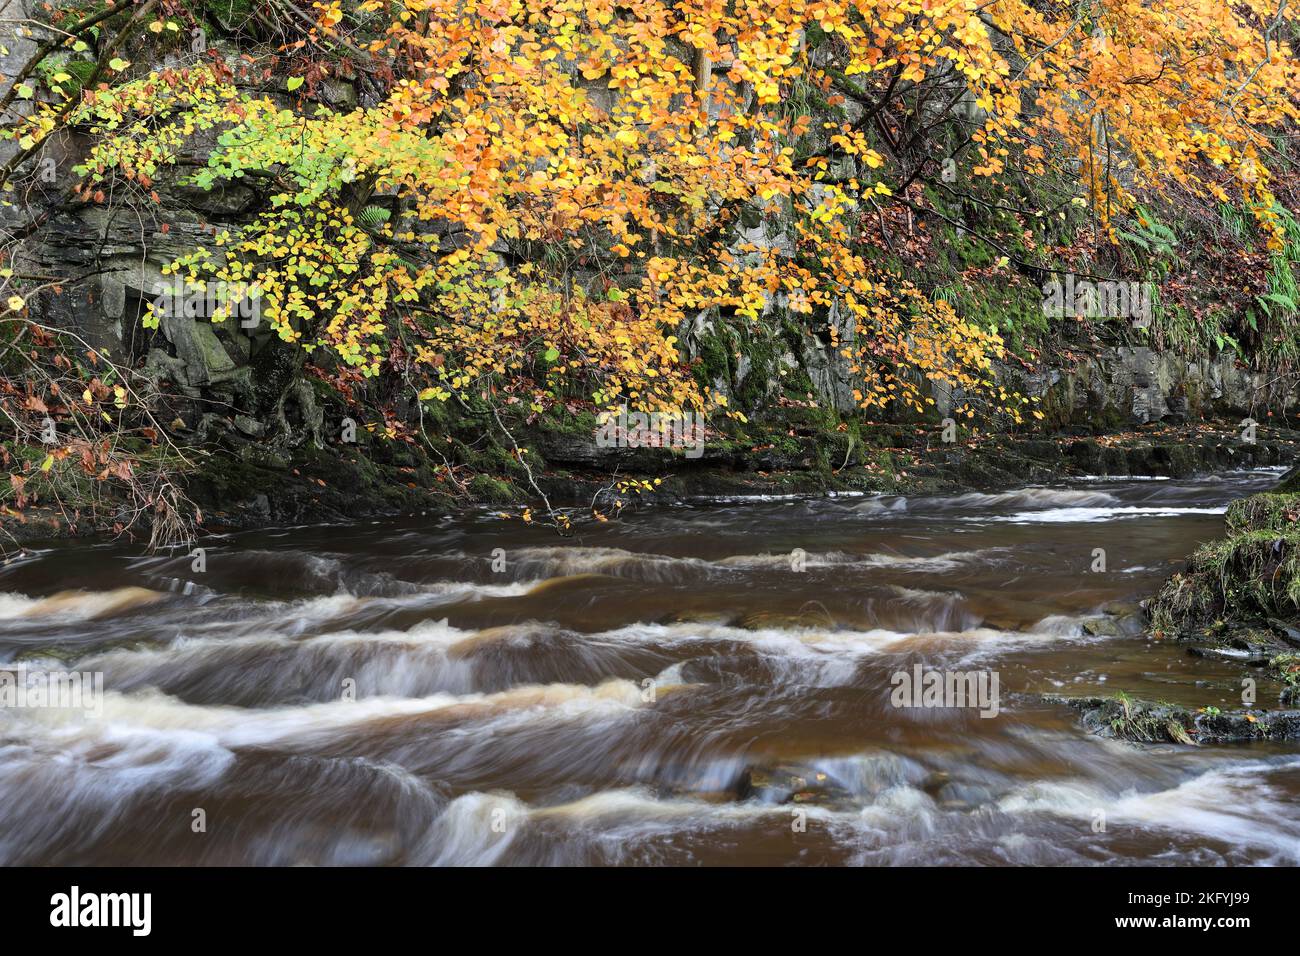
x=546 y=195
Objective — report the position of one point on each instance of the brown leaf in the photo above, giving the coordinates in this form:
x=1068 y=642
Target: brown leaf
x=18 y=483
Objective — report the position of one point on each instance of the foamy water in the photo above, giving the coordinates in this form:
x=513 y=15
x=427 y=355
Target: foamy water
x=713 y=684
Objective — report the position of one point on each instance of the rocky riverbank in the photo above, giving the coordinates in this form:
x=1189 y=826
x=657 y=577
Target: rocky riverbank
x=239 y=482
x=247 y=484
x=1237 y=601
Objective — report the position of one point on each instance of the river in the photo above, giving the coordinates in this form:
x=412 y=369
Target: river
x=698 y=684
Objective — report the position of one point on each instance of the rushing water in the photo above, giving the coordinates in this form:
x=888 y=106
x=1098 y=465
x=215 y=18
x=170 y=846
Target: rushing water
x=641 y=693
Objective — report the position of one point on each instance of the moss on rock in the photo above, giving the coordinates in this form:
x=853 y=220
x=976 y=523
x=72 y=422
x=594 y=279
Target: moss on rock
x=495 y=491
x=1141 y=721
x=1265 y=512
x=1247 y=574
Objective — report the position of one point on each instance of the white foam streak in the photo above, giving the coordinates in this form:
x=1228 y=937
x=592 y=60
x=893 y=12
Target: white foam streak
x=76 y=605
x=1088 y=515
x=234 y=727
x=1034 y=497
x=1235 y=805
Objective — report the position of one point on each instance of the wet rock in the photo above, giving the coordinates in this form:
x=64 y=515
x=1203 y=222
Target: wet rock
x=1248 y=725
x=780 y=621
x=794 y=784
x=1285 y=631
x=63 y=653
x=1102 y=627
x=1128 y=616
x=955 y=795
x=1290 y=483
x=1286 y=668
x=1041 y=449
x=1176 y=461
x=1141 y=721
x=1087 y=457
x=1252 y=657
x=68 y=654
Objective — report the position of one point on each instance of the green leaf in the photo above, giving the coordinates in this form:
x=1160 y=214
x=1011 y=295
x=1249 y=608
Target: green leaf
x=294 y=83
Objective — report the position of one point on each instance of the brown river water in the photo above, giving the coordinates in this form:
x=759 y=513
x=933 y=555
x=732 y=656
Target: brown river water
x=403 y=692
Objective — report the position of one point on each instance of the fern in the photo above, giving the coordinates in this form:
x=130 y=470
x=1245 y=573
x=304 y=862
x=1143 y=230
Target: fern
x=1151 y=235
x=374 y=216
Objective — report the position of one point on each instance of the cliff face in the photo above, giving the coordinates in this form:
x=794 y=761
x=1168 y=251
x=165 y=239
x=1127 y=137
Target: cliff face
x=209 y=373
x=209 y=368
